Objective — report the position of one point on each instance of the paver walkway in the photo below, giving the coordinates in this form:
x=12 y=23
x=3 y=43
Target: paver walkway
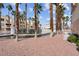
x=42 y=46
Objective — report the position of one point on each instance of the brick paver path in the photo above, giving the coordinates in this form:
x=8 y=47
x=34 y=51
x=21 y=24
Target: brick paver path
x=44 y=45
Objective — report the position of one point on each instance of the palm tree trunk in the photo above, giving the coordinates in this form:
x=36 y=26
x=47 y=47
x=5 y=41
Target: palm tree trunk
x=0 y=19
x=57 y=23
x=14 y=20
x=51 y=19
x=8 y=17
x=26 y=17
x=62 y=25
x=35 y=15
x=58 y=19
x=17 y=21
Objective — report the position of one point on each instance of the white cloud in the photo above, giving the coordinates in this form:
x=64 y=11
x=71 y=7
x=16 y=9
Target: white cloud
x=20 y=9
x=30 y=9
x=54 y=7
x=54 y=18
x=40 y=17
x=53 y=11
x=67 y=15
x=13 y=4
x=48 y=19
x=67 y=7
x=46 y=6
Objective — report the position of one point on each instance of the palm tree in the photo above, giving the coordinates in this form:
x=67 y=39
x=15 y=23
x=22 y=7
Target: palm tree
x=1 y=6
x=63 y=23
x=17 y=20
x=51 y=18
x=37 y=11
x=62 y=8
x=35 y=15
x=9 y=7
x=26 y=16
x=59 y=14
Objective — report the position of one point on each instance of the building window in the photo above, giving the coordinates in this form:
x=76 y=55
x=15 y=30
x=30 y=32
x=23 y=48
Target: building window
x=8 y=29
x=2 y=24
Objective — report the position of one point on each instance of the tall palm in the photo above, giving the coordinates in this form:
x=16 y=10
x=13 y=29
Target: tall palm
x=26 y=16
x=17 y=20
x=1 y=6
x=59 y=14
x=9 y=7
x=63 y=22
x=51 y=18
x=35 y=15
x=62 y=8
x=37 y=11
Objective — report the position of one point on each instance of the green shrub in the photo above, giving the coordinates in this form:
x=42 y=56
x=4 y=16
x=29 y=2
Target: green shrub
x=31 y=31
x=39 y=31
x=22 y=31
x=77 y=43
x=72 y=39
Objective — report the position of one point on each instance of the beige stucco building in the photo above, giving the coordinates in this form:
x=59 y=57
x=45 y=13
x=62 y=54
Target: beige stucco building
x=75 y=20
x=22 y=24
x=6 y=24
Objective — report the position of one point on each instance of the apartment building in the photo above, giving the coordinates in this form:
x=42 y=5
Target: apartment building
x=6 y=23
x=22 y=24
x=30 y=24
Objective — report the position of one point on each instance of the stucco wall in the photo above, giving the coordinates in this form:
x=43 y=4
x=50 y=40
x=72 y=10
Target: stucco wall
x=75 y=21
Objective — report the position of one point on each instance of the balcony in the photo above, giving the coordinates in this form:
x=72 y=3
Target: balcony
x=8 y=24
x=8 y=29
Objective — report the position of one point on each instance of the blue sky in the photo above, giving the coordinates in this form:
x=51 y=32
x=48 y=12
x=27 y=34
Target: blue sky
x=44 y=16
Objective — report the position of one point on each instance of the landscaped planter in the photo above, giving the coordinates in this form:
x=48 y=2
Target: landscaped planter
x=77 y=48
x=74 y=39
